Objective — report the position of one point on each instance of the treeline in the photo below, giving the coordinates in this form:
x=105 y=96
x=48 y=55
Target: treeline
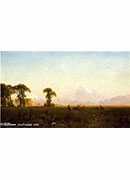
x=20 y=91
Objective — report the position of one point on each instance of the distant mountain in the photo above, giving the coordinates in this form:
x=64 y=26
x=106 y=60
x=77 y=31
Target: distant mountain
x=81 y=96
x=118 y=100
x=84 y=96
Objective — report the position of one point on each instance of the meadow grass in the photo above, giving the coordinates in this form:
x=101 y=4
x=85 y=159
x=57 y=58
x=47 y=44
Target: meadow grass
x=64 y=117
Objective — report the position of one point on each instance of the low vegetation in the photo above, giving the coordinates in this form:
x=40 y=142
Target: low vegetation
x=64 y=117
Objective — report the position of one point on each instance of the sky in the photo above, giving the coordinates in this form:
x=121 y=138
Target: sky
x=76 y=77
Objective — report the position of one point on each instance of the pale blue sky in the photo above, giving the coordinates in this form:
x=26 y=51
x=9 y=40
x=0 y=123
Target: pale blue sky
x=105 y=73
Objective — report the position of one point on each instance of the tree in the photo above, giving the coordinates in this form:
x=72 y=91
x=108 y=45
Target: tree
x=11 y=90
x=21 y=90
x=49 y=94
x=6 y=92
x=3 y=94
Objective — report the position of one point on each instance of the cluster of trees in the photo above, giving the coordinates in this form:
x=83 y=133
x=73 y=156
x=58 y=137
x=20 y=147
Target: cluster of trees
x=7 y=91
x=20 y=91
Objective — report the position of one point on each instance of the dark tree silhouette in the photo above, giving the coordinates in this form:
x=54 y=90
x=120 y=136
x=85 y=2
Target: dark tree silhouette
x=49 y=94
x=3 y=94
x=11 y=90
x=21 y=90
x=6 y=92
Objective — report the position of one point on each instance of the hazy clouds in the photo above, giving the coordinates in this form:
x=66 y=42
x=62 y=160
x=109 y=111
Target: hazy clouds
x=75 y=76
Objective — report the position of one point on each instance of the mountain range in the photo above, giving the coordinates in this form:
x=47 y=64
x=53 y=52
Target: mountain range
x=118 y=100
x=84 y=96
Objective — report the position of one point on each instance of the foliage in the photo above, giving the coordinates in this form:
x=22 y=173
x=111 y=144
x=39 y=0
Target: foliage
x=83 y=117
x=7 y=91
x=21 y=90
x=49 y=94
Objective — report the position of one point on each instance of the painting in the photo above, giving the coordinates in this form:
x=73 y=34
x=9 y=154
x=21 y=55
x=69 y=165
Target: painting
x=65 y=89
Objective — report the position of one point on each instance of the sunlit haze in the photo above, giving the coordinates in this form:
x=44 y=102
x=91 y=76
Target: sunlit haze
x=76 y=77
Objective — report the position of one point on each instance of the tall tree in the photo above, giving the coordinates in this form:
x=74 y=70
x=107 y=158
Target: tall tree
x=6 y=92
x=49 y=94
x=11 y=91
x=3 y=94
x=21 y=90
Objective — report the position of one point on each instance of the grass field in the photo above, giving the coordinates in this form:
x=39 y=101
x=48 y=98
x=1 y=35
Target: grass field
x=63 y=117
